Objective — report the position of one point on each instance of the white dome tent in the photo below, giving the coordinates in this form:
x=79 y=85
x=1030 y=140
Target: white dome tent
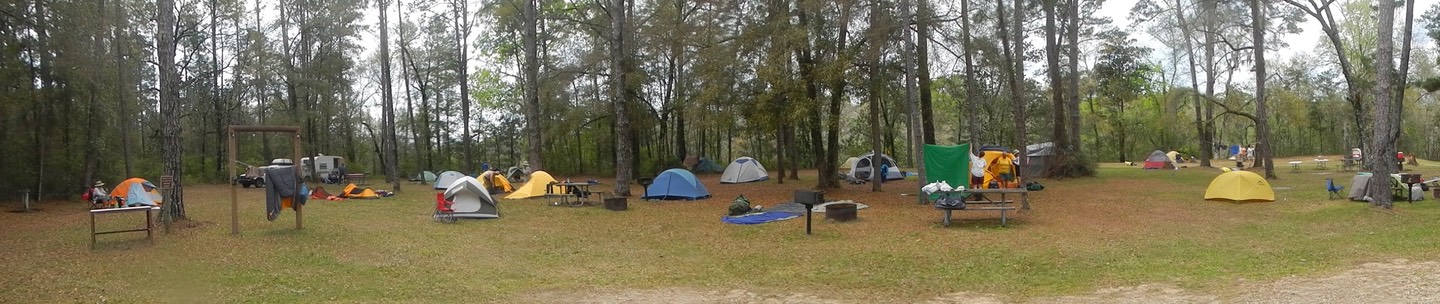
x=744 y=170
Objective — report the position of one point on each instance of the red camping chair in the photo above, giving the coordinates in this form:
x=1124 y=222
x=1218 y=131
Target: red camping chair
x=443 y=212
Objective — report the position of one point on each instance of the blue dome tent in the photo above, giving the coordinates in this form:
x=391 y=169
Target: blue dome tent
x=676 y=184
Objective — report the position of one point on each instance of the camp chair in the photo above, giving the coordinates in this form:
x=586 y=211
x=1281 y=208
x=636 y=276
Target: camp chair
x=443 y=212
x=1334 y=189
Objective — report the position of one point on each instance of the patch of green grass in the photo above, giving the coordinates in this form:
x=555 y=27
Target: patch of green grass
x=1125 y=227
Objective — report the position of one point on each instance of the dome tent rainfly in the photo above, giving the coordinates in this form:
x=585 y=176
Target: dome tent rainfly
x=470 y=198
x=863 y=167
x=133 y=191
x=676 y=184
x=1240 y=186
x=1159 y=160
x=536 y=186
x=424 y=177
x=743 y=170
x=849 y=163
x=445 y=179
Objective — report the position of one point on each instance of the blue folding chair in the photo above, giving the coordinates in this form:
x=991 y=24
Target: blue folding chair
x=1334 y=190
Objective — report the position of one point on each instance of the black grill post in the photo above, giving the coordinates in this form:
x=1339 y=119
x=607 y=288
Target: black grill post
x=809 y=198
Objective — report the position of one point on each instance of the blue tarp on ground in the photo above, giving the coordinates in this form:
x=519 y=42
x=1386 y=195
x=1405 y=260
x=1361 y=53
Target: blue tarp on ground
x=676 y=184
x=759 y=218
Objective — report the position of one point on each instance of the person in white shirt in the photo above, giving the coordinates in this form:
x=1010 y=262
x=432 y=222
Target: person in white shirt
x=98 y=196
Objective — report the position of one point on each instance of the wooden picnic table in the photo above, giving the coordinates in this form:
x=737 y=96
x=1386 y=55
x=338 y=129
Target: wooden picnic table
x=149 y=222
x=975 y=201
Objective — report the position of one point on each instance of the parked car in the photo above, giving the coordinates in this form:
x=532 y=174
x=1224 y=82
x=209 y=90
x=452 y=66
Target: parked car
x=248 y=181
x=253 y=176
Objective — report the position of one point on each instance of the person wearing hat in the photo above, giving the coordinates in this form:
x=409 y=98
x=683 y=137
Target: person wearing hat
x=98 y=196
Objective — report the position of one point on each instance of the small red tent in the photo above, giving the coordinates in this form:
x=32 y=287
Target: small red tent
x=1158 y=160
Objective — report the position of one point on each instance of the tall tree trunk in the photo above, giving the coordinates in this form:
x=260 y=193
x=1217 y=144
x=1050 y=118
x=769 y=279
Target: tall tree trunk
x=922 y=52
x=1323 y=13
x=123 y=101
x=1059 y=135
x=1207 y=148
x=1012 y=43
x=972 y=94
x=1404 y=75
x=917 y=139
x=878 y=37
x=170 y=152
x=804 y=57
x=391 y=142
x=535 y=136
x=1073 y=107
x=1262 y=111
x=1207 y=10
x=624 y=145
x=217 y=105
x=1382 y=145
x=462 y=34
x=837 y=96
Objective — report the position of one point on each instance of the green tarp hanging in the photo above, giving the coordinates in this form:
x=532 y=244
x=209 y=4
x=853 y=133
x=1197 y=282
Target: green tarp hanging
x=948 y=163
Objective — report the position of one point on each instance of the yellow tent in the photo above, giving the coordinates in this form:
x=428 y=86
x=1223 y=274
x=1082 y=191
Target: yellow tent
x=497 y=181
x=352 y=191
x=999 y=167
x=1240 y=186
x=536 y=186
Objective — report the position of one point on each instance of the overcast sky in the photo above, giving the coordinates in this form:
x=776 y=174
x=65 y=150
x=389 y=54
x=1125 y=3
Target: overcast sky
x=1305 y=41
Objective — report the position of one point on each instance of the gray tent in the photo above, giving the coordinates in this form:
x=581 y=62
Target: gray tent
x=424 y=177
x=446 y=178
x=1036 y=154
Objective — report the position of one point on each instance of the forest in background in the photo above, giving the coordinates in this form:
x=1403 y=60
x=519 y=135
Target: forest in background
x=629 y=88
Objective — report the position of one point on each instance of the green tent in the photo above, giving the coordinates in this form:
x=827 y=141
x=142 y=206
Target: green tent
x=427 y=177
x=947 y=163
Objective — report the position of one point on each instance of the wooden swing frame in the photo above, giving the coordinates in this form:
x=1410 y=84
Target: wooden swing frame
x=234 y=196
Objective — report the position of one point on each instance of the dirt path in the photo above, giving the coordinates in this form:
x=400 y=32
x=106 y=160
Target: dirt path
x=1397 y=281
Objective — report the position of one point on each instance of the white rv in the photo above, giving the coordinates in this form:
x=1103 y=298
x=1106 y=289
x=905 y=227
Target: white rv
x=324 y=165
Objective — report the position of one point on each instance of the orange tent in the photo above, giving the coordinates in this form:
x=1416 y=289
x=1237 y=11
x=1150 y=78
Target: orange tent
x=136 y=191
x=319 y=193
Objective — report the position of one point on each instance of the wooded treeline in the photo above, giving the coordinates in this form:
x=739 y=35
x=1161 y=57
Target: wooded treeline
x=631 y=88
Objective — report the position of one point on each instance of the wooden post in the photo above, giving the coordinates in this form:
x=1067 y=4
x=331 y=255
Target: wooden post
x=295 y=200
x=234 y=200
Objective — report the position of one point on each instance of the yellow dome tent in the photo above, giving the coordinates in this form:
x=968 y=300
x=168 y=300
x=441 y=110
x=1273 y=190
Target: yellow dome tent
x=1240 y=186
x=496 y=182
x=536 y=186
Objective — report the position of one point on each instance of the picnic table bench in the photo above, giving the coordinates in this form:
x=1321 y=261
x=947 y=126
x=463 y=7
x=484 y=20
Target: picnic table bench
x=974 y=200
x=149 y=222
x=357 y=178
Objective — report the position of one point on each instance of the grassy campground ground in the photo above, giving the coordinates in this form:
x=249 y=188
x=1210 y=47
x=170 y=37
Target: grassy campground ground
x=1125 y=228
